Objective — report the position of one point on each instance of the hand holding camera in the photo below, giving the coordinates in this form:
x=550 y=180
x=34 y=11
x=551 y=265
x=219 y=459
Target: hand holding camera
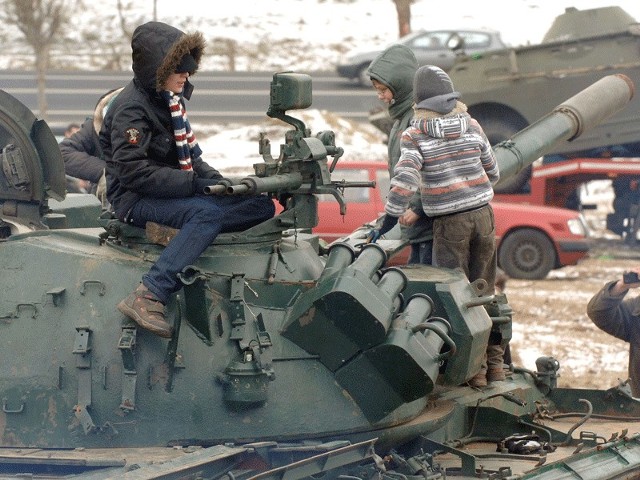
x=630 y=277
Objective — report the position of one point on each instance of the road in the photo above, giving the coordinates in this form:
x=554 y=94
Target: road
x=219 y=97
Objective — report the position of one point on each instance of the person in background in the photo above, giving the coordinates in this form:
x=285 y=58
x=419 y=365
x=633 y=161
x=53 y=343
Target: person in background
x=155 y=172
x=391 y=74
x=82 y=154
x=447 y=158
x=71 y=129
x=73 y=184
x=612 y=312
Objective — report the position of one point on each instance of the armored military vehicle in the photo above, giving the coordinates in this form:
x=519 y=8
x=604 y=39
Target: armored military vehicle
x=288 y=360
x=508 y=89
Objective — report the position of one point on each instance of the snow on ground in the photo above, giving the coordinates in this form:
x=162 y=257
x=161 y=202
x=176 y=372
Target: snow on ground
x=235 y=147
x=369 y=24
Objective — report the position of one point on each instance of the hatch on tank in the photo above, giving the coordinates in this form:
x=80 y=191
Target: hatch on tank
x=32 y=166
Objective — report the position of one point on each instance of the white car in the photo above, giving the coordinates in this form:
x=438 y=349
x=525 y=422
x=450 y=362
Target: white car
x=438 y=47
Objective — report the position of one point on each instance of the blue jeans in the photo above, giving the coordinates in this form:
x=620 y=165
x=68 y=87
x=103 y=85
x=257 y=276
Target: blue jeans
x=200 y=219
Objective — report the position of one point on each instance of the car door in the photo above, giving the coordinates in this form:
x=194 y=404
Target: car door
x=430 y=48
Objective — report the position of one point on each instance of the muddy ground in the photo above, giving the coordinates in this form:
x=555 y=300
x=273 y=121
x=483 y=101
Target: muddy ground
x=550 y=315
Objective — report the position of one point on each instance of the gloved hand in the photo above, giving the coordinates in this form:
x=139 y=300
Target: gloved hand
x=387 y=224
x=373 y=235
x=101 y=191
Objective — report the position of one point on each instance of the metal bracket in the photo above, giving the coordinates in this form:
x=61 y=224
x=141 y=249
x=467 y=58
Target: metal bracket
x=468 y=460
x=6 y=409
x=83 y=287
x=82 y=351
x=83 y=415
x=238 y=321
x=126 y=345
x=16 y=313
x=56 y=295
x=262 y=352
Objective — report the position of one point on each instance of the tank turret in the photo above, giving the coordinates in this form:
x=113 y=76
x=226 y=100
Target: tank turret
x=287 y=358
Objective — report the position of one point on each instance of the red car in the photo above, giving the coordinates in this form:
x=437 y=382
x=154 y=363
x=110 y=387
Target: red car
x=531 y=240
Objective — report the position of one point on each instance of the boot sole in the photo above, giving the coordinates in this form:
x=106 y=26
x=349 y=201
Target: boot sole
x=133 y=315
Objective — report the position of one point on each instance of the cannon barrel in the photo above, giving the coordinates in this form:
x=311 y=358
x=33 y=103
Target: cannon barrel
x=567 y=121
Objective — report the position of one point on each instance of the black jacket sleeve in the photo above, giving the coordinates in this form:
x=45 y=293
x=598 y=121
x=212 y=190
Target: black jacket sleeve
x=204 y=170
x=82 y=154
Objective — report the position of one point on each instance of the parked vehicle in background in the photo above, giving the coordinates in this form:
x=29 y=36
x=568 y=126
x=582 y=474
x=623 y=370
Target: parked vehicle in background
x=506 y=90
x=438 y=47
x=558 y=184
x=531 y=240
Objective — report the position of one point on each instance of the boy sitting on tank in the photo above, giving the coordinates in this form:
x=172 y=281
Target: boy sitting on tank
x=155 y=172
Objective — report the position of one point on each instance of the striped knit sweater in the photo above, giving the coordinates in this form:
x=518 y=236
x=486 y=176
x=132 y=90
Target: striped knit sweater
x=449 y=159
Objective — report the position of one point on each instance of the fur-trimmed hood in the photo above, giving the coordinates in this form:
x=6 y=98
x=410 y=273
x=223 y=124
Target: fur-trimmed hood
x=437 y=125
x=157 y=49
x=423 y=113
x=101 y=108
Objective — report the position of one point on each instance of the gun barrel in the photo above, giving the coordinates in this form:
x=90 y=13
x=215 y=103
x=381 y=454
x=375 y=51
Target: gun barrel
x=343 y=184
x=567 y=121
x=254 y=184
x=218 y=189
x=238 y=189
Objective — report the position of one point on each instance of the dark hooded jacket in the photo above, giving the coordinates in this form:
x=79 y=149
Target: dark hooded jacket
x=620 y=317
x=395 y=67
x=81 y=151
x=137 y=135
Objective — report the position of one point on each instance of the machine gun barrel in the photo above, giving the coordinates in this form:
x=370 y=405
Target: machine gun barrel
x=567 y=121
x=218 y=189
x=254 y=184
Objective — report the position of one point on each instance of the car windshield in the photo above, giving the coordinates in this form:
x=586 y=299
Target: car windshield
x=475 y=39
x=438 y=40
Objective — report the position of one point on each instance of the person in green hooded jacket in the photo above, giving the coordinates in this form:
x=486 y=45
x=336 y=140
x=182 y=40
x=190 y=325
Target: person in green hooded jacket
x=391 y=74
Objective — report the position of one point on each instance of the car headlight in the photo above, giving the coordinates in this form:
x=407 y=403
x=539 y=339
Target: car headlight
x=578 y=226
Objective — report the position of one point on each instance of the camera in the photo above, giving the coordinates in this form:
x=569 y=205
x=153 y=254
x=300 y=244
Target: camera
x=630 y=277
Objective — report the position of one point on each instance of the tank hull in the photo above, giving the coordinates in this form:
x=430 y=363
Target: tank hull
x=288 y=358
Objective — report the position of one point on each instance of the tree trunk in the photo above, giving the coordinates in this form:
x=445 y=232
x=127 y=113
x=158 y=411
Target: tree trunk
x=403 y=7
x=42 y=63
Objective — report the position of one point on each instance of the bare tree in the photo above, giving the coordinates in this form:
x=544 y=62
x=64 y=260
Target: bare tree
x=41 y=23
x=403 y=7
x=125 y=20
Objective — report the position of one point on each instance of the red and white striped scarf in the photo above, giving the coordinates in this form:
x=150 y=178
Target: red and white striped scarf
x=186 y=143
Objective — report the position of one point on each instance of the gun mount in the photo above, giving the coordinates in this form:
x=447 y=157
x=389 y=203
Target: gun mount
x=284 y=361
x=302 y=167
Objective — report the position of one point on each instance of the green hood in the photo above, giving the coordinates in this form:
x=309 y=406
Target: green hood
x=395 y=67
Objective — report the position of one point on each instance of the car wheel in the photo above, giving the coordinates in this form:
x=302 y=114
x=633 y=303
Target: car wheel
x=500 y=128
x=527 y=254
